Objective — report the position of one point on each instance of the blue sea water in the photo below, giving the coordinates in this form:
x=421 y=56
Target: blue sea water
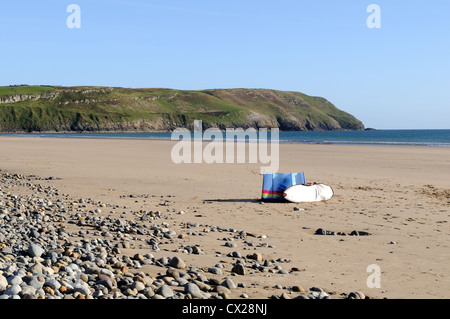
x=437 y=138
x=430 y=138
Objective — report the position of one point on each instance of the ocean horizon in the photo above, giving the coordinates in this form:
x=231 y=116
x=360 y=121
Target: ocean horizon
x=392 y=137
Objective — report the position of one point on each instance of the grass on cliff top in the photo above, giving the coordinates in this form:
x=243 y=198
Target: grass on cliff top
x=25 y=89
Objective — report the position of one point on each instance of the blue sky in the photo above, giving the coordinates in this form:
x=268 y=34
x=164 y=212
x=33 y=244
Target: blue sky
x=394 y=77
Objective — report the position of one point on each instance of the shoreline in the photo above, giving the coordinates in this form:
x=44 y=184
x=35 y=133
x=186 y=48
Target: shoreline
x=400 y=195
x=283 y=141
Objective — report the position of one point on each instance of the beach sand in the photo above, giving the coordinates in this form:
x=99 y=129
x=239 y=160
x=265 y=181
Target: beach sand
x=400 y=195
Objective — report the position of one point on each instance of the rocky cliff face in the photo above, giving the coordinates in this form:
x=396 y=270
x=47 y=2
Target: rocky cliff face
x=145 y=110
x=28 y=97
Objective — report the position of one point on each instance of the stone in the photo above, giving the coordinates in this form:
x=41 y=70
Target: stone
x=35 y=250
x=177 y=262
x=165 y=291
x=82 y=288
x=103 y=276
x=236 y=254
x=193 y=290
x=173 y=272
x=130 y=292
x=34 y=233
x=222 y=290
x=313 y=295
x=138 y=257
x=323 y=295
x=255 y=256
x=320 y=231
x=202 y=285
x=14 y=280
x=13 y=290
x=3 y=282
x=228 y=283
x=106 y=283
x=139 y=286
x=28 y=293
x=284 y=296
x=35 y=284
x=298 y=289
x=225 y=295
x=84 y=277
x=215 y=270
x=52 y=283
x=359 y=233
x=356 y=295
x=239 y=269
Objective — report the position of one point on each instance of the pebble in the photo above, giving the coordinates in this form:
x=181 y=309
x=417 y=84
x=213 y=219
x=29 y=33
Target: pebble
x=193 y=290
x=239 y=269
x=356 y=295
x=229 y=283
x=35 y=250
x=53 y=283
x=222 y=290
x=320 y=231
x=3 y=282
x=284 y=296
x=255 y=256
x=165 y=291
x=53 y=246
x=215 y=270
x=236 y=254
x=231 y=244
x=139 y=286
x=82 y=288
x=13 y=290
x=14 y=280
x=298 y=289
x=177 y=262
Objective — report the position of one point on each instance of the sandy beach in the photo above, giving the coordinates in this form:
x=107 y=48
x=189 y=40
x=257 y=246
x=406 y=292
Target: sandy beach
x=400 y=195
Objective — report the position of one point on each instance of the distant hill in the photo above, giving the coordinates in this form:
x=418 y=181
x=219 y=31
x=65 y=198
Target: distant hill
x=73 y=109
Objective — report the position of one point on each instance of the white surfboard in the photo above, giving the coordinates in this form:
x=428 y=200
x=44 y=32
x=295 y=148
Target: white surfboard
x=308 y=193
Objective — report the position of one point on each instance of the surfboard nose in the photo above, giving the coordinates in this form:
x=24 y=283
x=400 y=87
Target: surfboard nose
x=284 y=195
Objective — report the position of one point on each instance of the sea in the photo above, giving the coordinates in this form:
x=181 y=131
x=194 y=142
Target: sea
x=426 y=138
